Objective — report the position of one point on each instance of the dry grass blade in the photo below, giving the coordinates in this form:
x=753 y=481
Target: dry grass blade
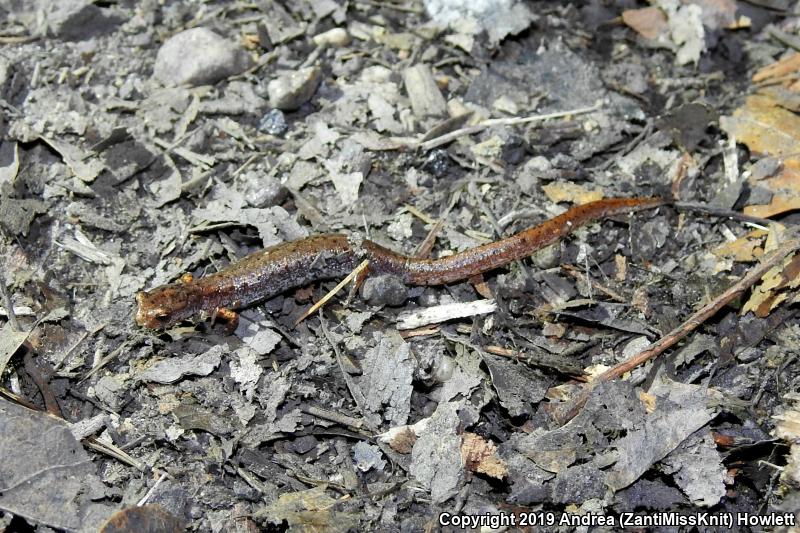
x=510 y=121
x=352 y=275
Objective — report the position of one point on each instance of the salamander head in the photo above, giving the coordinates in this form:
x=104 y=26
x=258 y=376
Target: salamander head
x=164 y=306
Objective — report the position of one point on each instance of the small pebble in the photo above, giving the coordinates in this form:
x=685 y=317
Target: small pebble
x=291 y=90
x=384 y=290
x=199 y=57
x=437 y=163
x=273 y=123
x=304 y=444
x=265 y=191
x=335 y=38
x=110 y=391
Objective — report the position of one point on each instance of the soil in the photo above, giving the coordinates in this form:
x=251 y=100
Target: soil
x=121 y=169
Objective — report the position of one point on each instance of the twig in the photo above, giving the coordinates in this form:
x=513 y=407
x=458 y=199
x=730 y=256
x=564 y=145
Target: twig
x=693 y=322
x=113 y=451
x=784 y=38
x=442 y=313
x=17 y=39
x=577 y=274
x=390 y=5
x=12 y=318
x=152 y=489
x=108 y=358
x=722 y=213
x=325 y=414
x=510 y=121
x=85 y=335
x=426 y=246
x=355 y=391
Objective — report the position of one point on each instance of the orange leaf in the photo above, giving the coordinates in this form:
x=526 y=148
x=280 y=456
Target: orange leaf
x=480 y=455
x=649 y=22
x=778 y=69
x=764 y=126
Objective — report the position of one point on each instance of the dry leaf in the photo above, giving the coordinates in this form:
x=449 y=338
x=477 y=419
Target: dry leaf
x=764 y=126
x=310 y=511
x=402 y=438
x=788 y=423
x=490 y=148
x=480 y=455
x=649 y=401
x=772 y=290
x=767 y=127
x=785 y=187
x=748 y=247
x=649 y=22
x=718 y=13
x=779 y=69
x=570 y=192
x=787 y=427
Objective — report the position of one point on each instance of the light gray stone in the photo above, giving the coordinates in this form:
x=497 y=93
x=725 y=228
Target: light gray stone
x=293 y=89
x=199 y=57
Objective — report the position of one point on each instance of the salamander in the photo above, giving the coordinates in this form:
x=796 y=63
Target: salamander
x=276 y=269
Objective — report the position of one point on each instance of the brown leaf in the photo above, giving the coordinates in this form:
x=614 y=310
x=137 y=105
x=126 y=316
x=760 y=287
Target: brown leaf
x=767 y=127
x=480 y=455
x=649 y=22
x=404 y=441
x=144 y=519
x=779 y=69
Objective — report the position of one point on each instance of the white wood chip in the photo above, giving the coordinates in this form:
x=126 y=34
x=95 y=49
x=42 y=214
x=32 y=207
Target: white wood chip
x=443 y=313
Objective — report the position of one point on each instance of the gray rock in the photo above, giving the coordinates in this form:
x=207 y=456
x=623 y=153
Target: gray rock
x=110 y=391
x=199 y=57
x=77 y=20
x=291 y=90
x=274 y=122
x=384 y=290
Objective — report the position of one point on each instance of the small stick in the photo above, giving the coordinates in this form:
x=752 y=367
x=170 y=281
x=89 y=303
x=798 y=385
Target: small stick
x=12 y=318
x=355 y=391
x=152 y=489
x=426 y=246
x=510 y=121
x=325 y=414
x=693 y=322
x=84 y=336
x=577 y=274
x=722 y=213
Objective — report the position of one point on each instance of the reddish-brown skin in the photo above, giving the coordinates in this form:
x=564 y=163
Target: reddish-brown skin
x=271 y=271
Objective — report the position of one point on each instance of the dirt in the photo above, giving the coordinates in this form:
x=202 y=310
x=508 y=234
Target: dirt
x=122 y=169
